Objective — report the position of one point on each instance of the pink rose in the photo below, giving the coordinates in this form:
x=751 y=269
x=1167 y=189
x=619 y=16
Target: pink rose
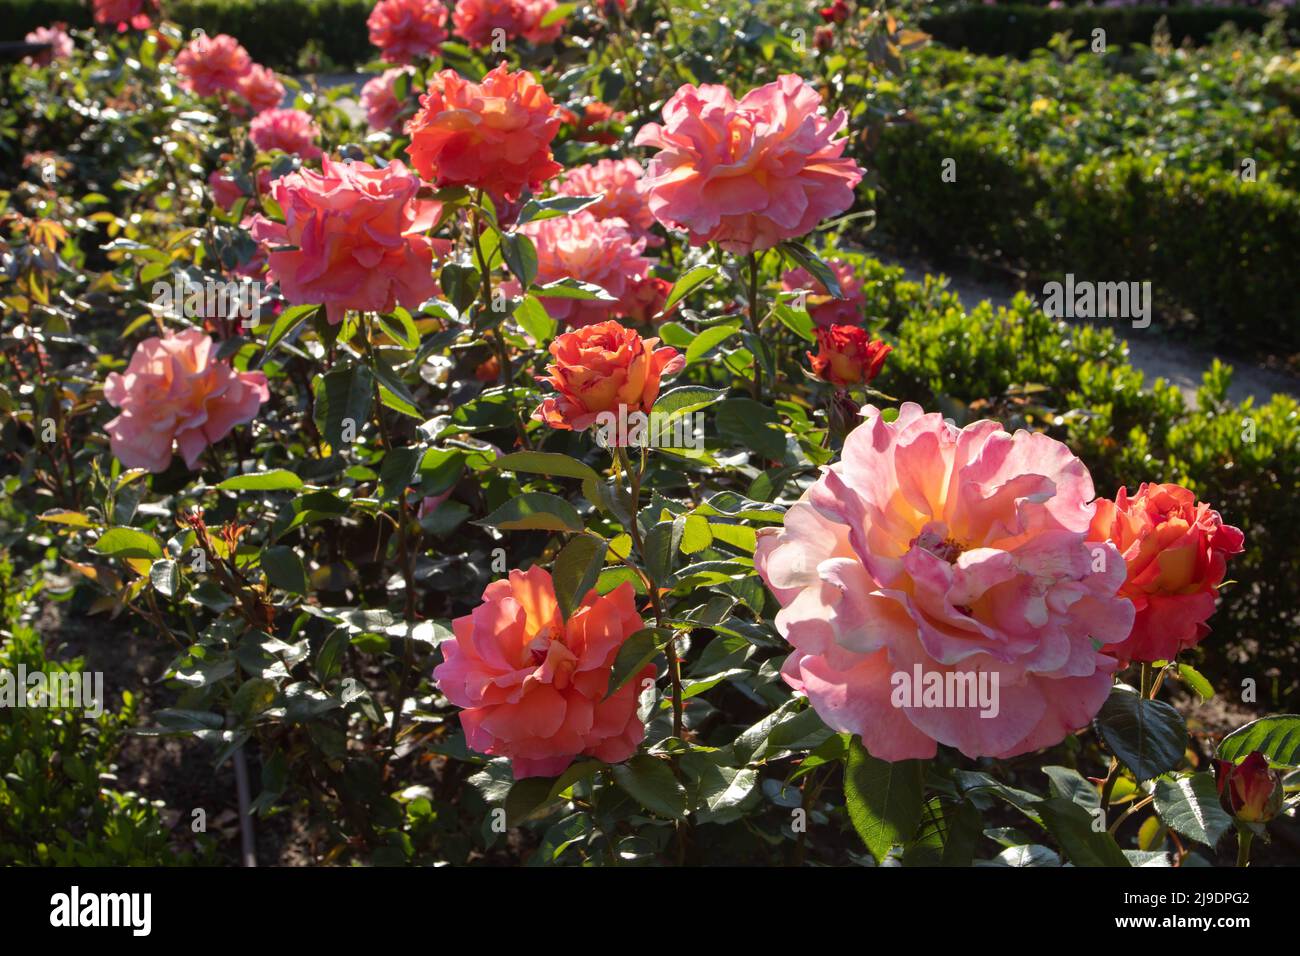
x=212 y=65
x=355 y=239
x=405 y=29
x=618 y=183
x=476 y=21
x=56 y=35
x=125 y=14
x=952 y=555
x=380 y=102
x=1175 y=549
x=226 y=190
x=495 y=135
x=533 y=685
x=292 y=131
x=261 y=88
x=174 y=390
x=826 y=310
x=748 y=175
x=599 y=251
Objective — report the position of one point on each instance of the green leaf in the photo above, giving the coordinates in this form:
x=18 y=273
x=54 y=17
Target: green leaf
x=546 y=463
x=687 y=398
x=884 y=799
x=1148 y=736
x=533 y=318
x=277 y=479
x=650 y=782
x=535 y=511
x=688 y=283
x=535 y=210
x=343 y=395
x=1277 y=738
x=573 y=289
x=1196 y=681
x=813 y=263
x=635 y=653
x=708 y=340
x=164 y=576
x=400 y=327
x=287 y=321
x=1073 y=786
x=128 y=543
x=1190 y=805
x=750 y=424
x=521 y=257
x=284 y=569
x=576 y=569
x=1075 y=829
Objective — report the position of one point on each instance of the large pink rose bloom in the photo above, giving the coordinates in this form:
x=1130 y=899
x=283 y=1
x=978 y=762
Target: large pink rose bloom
x=476 y=21
x=405 y=29
x=748 y=175
x=175 y=390
x=292 y=131
x=600 y=251
x=618 y=183
x=352 y=237
x=261 y=88
x=962 y=551
x=533 y=685
x=380 y=102
x=56 y=35
x=212 y=65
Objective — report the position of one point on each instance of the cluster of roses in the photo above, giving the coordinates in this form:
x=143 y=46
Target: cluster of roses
x=953 y=549
x=406 y=29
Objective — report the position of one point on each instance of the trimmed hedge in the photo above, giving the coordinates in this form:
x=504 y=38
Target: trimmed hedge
x=275 y=32
x=1222 y=249
x=1019 y=29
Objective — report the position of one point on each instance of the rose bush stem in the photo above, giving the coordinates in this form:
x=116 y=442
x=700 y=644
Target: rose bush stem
x=756 y=384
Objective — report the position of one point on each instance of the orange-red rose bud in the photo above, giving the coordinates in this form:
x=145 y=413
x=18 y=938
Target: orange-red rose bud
x=1176 y=551
x=847 y=355
x=600 y=367
x=1251 y=791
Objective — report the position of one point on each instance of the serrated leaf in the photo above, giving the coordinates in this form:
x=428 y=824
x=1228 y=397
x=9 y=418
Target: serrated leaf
x=1190 y=805
x=650 y=782
x=1148 y=736
x=1277 y=738
x=884 y=798
x=535 y=511
x=277 y=479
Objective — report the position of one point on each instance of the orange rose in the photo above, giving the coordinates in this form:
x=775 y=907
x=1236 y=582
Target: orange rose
x=599 y=367
x=495 y=135
x=1176 y=551
x=847 y=356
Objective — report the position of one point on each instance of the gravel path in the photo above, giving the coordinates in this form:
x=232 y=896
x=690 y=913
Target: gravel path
x=1150 y=349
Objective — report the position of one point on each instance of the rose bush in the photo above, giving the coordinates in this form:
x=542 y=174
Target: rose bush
x=315 y=416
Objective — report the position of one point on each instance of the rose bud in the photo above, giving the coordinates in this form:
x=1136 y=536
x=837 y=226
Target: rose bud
x=1251 y=791
x=847 y=356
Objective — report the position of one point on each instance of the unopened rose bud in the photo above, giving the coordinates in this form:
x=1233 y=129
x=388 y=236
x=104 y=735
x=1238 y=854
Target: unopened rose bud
x=1251 y=791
